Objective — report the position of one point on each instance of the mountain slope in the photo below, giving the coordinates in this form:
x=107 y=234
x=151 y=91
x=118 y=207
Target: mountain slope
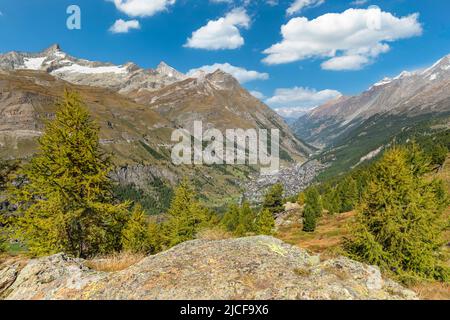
x=215 y=98
x=219 y=101
x=353 y=129
x=137 y=110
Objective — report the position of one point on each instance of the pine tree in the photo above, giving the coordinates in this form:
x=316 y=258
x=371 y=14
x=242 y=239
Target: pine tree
x=135 y=234
x=273 y=200
x=331 y=200
x=247 y=220
x=399 y=223
x=5 y=170
x=313 y=209
x=265 y=222
x=348 y=194
x=185 y=216
x=66 y=203
x=230 y=220
x=301 y=199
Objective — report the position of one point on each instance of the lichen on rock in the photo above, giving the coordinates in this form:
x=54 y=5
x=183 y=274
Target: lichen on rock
x=258 y=267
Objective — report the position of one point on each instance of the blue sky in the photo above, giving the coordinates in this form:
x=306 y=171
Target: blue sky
x=319 y=55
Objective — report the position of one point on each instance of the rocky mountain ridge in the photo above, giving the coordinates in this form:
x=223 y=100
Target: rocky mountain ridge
x=215 y=98
x=123 y=78
x=410 y=94
x=354 y=130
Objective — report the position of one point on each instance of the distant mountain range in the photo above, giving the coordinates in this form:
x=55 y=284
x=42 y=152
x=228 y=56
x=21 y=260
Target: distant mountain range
x=137 y=110
x=354 y=129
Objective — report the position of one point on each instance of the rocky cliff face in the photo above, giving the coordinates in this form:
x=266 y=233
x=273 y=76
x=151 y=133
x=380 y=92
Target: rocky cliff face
x=246 y=268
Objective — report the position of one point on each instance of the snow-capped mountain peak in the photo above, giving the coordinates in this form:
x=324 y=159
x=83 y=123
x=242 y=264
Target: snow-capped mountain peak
x=124 y=78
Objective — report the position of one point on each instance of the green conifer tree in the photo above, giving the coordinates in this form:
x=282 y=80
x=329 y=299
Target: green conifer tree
x=265 y=222
x=247 y=220
x=135 y=234
x=273 y=200
x=7 y=168
x=399 y=224
x=230 y=220
x=185 y=216
x=66 y=203
x=313 y=209
x=331 y=200
x=301 y=199
x=348 y=194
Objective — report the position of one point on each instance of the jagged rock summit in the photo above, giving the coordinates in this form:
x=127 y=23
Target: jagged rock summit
x=258 y=267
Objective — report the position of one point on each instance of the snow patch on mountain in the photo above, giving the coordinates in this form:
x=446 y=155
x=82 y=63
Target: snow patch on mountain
x=34 y=63
x=76 y=68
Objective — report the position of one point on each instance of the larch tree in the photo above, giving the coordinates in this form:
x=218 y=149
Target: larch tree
x=247 y=220
x=348 y=194
x=399 y=223
x=230 y=220
x=65 y=203
x=312 y=210
x=265 y=222
x=136 y=233
x=273 y=199
x=186 y=216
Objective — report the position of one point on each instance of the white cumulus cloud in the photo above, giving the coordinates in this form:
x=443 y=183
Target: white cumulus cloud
x=257 y=94
x=142 y=8
x=241 y=74
x=298 y=5
x=300 y=97
x=291 y=112
x=349 y=40
x=122 y=26
x=222 y=33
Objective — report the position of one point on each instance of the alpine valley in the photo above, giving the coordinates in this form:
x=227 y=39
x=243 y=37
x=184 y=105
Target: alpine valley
x=353 y=130
x=137 y=110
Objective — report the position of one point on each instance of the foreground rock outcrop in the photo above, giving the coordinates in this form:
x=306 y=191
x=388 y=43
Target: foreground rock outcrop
x=247 y=268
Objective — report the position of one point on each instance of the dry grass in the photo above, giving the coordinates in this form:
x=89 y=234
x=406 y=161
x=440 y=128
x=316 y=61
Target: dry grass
x=6 y=259
x=115 y=262
x=432 y=290
x=327 y=238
